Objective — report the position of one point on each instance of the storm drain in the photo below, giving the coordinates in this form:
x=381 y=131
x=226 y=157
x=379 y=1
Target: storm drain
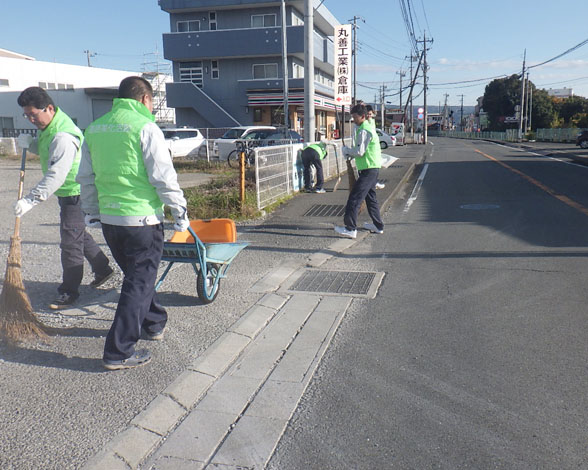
x=353 y=283
x=325 y=210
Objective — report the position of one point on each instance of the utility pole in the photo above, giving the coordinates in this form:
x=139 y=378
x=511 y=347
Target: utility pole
x=445 y=113
x=530 y=100
x=309 y=117
x=461 y=114
x=354 y=55
x=383 y=106
x=88 y=55
x=425 y=118
x=401 y=74
x=285 y=66
x=522 y=99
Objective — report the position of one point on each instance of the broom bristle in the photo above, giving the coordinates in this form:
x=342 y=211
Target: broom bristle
x=17 y=321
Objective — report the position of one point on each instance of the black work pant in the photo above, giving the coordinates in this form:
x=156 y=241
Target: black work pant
x=363 y=189
x=310 y=157
x=76 y=244
x=137 y=250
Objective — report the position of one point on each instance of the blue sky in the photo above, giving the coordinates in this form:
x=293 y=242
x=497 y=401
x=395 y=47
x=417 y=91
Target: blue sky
x=472 y=39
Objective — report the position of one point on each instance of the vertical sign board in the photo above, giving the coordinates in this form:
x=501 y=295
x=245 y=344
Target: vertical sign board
x=343 y=64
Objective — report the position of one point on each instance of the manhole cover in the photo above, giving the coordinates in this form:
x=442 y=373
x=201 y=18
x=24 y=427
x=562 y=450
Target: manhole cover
x=325 y=210
x=353 y=283
x=479 y=207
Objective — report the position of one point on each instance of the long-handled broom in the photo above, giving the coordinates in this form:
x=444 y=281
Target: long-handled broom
x=17 y=321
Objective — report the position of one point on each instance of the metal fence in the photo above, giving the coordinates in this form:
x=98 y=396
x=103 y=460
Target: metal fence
x=279 y=170
x=558 y=135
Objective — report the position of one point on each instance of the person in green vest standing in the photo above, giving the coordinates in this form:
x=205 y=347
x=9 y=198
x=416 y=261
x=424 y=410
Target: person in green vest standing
x=313 y=155
x=59 y=148
x=126 y=176
x=368 y=160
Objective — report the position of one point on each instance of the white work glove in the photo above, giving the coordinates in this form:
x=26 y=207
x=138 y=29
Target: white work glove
x=181 y=224
x=22 y=206
x=92 y=221
x=347 y=153
x=24 y=140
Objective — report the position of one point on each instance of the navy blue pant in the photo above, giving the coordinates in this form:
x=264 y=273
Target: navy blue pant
x=363 y=189
x=76 y=244
x=137 y=250
x=310 y=157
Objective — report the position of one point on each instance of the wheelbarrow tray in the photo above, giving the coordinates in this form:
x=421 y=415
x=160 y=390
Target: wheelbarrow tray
x=210 y=259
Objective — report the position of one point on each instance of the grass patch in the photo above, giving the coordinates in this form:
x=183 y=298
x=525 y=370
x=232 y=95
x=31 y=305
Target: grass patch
x=214 y=168
x=220 y=199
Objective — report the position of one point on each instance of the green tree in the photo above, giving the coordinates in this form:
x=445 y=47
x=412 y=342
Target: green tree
x=569 y=107
x=499 y=101
x=543 y=113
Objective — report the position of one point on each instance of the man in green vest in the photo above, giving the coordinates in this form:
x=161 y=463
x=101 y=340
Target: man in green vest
x=368 y=160
x=58 y=146
x=127 y=176
x=312 y=155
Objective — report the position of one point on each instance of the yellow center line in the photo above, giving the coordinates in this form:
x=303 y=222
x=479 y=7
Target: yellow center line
x=561 y=197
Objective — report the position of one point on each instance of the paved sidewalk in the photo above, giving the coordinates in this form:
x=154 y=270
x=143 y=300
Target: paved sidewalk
x=222 y=384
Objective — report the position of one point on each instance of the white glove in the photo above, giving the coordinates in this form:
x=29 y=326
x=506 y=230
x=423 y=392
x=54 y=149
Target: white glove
x=181 y=224
x=22 y=206
x=92 y=221
x=24 y=140
x=346 y=153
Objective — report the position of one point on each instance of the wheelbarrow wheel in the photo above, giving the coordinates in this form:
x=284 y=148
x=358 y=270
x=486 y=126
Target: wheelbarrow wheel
x=207 y=291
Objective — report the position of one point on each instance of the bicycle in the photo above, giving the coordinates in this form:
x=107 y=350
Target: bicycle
x=248 y=148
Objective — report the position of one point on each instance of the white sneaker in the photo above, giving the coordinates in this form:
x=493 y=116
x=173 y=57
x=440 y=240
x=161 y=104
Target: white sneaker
x=380 y=186
x=346 y=233
x=372 y=228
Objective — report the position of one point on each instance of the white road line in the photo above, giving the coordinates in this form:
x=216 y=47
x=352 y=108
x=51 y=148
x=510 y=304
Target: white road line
x=540 y=155
x=417 y=187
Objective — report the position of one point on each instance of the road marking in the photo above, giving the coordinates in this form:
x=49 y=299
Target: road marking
x=417 y=187
x=541 y=155
x=561 y=197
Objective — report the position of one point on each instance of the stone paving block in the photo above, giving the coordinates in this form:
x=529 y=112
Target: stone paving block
x=172 y=463
x=230 y=395
x=251 y=443
x=160 y=416
x=218 y=357
x=134 y=444
x=276 y=400
x=274 y=301
x=272 y=280
x=307 y=345
x=105 y=460
x=189 y=387
x=196 y=438
x=253 y=321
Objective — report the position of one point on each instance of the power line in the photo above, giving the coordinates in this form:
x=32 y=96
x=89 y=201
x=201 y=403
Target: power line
x=571 y=49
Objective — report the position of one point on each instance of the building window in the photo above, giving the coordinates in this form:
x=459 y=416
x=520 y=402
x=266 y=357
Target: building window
x=265 y=71
x=43 y=85
x=6 y=123
x=191 y=72
x=70 y=87
x=212 y=20
x=4 y=82
x=263 y=21
x=214 y=73
x=257 y=114
x=51 y=86
x=297 y=70
x=297 y=19
x=186 y=26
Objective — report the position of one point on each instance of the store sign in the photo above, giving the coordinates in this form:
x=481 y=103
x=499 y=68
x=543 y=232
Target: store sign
x=343 y=64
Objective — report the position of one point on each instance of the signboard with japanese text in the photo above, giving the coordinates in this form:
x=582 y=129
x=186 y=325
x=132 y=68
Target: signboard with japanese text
x=343 y=64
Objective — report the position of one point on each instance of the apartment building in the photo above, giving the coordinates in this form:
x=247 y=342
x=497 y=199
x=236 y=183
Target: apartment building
x=227 y=63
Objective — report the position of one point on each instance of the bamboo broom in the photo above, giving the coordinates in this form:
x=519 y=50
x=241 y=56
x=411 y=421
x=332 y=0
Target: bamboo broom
x=17 y=321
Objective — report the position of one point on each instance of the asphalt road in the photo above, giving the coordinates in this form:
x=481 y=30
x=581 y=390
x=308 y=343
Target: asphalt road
x=473 y=354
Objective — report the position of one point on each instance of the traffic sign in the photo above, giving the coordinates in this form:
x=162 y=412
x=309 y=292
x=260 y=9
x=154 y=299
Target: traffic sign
x=421 y=111
x=421 y=116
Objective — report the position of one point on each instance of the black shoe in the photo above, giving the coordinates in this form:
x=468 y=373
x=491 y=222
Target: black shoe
x=140 y=358
x=100 y=279
x=155 y=336
x=63 y=301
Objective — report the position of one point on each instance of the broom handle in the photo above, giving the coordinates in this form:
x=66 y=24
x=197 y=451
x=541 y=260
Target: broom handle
x=20 y=189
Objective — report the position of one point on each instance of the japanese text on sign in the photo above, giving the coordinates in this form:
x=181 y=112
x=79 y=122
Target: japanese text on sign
x=343 y=64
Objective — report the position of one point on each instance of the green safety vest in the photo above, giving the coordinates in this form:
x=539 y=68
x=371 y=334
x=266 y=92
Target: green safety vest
x=61 y=122
x=319 y=149
x=114 y=141
x=372 y=158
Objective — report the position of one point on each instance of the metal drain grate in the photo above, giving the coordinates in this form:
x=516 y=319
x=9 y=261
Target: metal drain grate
x=334 y=282
x=325 y=210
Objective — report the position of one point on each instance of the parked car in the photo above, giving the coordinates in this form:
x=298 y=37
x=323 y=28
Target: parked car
x=385 y=139
x=280 y=137
x=184 y=141
x=226 y=144
x=582 y=139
